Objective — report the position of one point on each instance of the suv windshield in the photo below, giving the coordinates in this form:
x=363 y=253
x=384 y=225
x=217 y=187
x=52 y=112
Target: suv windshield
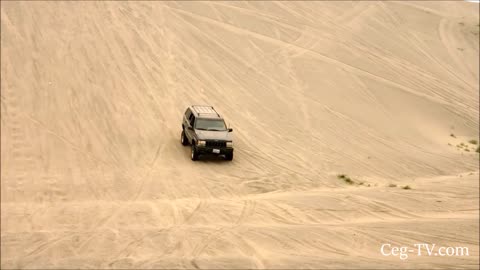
x=210 y=124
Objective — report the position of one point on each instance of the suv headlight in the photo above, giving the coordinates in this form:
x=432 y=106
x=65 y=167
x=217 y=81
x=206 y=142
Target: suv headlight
x=201 y=143
x=229 y=144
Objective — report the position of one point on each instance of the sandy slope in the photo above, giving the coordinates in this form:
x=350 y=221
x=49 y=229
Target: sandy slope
x=93 y=174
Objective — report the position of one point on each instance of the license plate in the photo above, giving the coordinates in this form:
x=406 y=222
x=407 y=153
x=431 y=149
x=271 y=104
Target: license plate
x=216 y=151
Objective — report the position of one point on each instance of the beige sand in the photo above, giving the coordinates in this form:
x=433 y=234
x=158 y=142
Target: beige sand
x=93 y=174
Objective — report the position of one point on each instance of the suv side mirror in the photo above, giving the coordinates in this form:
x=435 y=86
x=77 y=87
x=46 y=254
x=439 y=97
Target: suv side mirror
x=230 y=129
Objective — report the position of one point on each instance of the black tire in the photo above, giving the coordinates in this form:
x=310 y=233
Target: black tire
x=194 y=154
x=229 y=157
x=183 y=138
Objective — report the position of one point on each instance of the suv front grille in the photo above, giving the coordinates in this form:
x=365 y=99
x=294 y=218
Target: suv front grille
x=216 y=144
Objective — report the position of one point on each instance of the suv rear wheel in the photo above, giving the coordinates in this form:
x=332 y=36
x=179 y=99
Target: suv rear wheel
x=183 y=138
x=194 y=154
x=229 y=156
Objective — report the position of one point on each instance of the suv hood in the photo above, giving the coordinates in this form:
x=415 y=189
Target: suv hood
x=214 y=135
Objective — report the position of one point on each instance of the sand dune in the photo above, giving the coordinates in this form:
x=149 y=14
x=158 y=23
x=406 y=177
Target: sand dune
x=93 y=174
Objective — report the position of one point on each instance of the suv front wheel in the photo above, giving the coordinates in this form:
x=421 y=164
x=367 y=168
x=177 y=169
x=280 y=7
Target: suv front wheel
x=194 y=153
x=229 y=156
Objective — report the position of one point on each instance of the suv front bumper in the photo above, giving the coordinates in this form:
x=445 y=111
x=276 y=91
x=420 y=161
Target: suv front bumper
x=210 y=150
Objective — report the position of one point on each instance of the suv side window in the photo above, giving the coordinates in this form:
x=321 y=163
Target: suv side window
x=188 y=113
x=192 y=120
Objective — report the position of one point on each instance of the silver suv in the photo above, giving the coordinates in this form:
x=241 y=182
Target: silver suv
x=205 y=130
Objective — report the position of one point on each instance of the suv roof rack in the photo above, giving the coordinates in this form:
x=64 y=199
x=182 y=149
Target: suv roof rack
x=203 y=110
